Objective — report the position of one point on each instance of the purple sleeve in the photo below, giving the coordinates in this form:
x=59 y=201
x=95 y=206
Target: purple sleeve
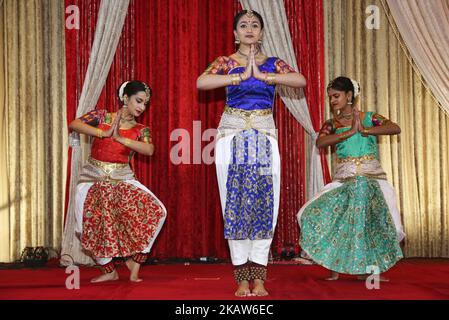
x=94 y=117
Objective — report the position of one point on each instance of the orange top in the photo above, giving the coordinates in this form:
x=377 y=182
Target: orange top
x=107 y=149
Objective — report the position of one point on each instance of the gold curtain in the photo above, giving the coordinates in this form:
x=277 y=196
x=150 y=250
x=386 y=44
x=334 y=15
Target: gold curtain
x=33 y=134
x=4 y=190
x=416 y=161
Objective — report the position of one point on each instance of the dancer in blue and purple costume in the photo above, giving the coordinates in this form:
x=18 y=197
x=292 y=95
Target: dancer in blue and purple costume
x=246 y=153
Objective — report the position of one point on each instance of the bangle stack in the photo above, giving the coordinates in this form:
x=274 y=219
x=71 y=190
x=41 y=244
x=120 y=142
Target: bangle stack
x=236 y=79
x=343 y=136
x=100 y=133
x=127 y=142
x=365 y=132
x=270 y=78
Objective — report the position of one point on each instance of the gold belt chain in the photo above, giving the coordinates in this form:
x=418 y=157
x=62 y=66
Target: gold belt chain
x=357 y=160
x=247 y=113
x=107 y=167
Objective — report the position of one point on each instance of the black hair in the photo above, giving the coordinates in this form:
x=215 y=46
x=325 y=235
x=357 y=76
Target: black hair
x=133 y=87
x=342 y=84
x=242 y=13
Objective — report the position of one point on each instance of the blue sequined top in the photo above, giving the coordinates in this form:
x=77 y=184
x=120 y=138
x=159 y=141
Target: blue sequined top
x=251 y=94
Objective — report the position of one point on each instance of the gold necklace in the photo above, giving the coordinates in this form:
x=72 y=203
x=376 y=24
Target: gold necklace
x=128 y=117
x=346 y=116
x=245 y=55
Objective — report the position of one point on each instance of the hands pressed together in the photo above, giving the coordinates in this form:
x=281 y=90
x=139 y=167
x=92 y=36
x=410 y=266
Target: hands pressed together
x=356 y=122
x=114 y=131
x=251 y=67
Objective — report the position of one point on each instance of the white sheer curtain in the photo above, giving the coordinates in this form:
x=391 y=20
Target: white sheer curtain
x=277 y=42
x=111 y=17
x=424 y=26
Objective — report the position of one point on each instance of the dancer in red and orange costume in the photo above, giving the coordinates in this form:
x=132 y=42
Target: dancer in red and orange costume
x=116 y=215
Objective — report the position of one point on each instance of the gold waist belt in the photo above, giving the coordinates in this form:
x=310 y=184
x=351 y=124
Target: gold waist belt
x=107 y=167
x=357 y=160
x=247 y=113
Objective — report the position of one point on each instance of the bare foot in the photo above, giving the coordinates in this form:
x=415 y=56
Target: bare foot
x=243 y=289
x=333 y=277
x=259 y=289
x=134 y=268
x=112 y=276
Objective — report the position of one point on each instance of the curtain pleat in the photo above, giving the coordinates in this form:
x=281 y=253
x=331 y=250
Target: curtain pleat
x=4 y=181
x=424 y=26
x=33 y=133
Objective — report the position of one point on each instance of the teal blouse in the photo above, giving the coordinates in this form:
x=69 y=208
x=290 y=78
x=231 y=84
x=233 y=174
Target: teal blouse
x=357 y=145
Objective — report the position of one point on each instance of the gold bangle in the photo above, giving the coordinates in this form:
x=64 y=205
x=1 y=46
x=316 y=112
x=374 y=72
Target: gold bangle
x=343 y=136
x=270 y=78
x=365 y=132
x=100 y=133
x=235 y=79
x=127 y=142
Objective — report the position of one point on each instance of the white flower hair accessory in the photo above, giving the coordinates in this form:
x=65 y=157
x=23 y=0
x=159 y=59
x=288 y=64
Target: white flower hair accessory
x=356 y=86
x=120 y=91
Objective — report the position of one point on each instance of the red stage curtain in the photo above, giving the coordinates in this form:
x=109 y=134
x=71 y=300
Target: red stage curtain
x=305 y=20
x=306 y=23
x=176 y=40
x=168 y=44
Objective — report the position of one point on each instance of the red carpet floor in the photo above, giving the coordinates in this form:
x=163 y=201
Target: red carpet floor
x=410 y=279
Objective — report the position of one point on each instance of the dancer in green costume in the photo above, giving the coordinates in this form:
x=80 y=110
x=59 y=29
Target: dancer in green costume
x=353 y=225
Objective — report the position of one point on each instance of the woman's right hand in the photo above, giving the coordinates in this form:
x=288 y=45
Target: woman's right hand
x=249 y=65
x=356 y=124
x=116 y=131
x=114 y=125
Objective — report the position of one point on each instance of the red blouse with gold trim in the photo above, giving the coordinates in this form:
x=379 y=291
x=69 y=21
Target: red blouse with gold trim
x=107 y=149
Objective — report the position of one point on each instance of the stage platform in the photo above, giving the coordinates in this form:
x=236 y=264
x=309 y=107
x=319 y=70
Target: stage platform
x=410 y=279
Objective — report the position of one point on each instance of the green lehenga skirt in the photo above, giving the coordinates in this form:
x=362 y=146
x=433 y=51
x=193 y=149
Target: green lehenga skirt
x=350 y=230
